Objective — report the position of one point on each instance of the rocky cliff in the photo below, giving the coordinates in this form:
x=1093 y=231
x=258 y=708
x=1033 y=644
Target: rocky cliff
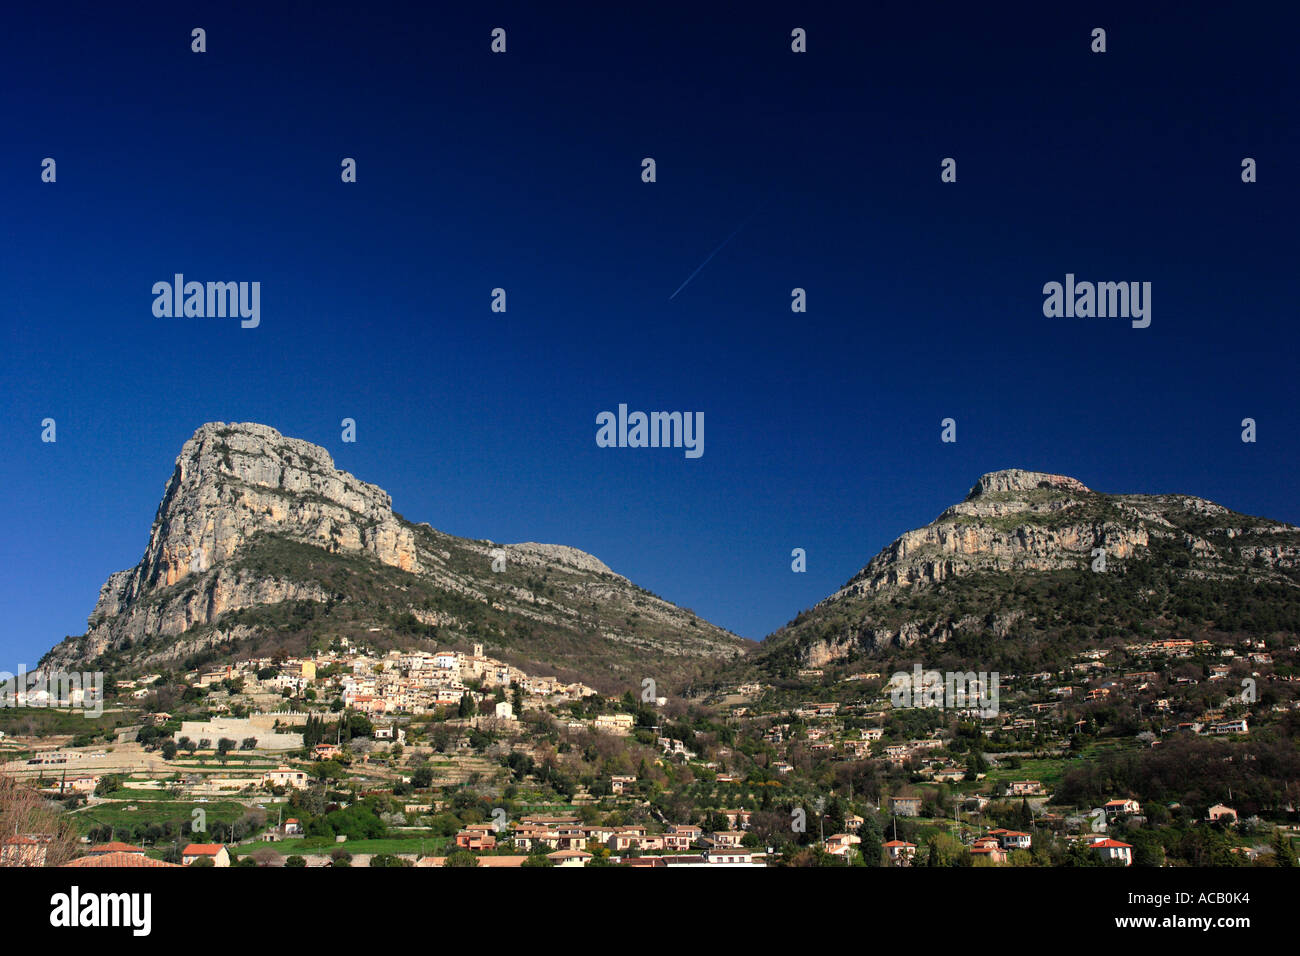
x=1007 y=560
x=232 y=482
x=260 y=540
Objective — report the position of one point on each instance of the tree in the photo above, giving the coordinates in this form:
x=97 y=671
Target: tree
x=1079 y=854
x=1147 y=849
x=460 y=858
x=1025 y=816
x=520 y=764
x=945 y=850
x=25 y=813
x=872 y=841
x=422 y=777
x=1283 y=855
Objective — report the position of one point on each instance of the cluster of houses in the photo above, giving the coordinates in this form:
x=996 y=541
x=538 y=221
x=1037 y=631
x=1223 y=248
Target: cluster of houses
x=1033 y=710
x=32 y=850
x=568 y=833
x=405 y=682
x=419 y=682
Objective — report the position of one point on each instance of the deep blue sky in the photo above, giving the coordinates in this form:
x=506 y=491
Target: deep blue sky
x=523 y=171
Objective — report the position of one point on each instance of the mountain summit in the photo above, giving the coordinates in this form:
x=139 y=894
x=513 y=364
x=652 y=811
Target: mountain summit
x=1037 y=557
x=261 y=544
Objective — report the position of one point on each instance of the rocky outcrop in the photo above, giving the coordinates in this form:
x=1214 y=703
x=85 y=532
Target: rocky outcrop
x=1019 y=480
x=1019 y=523
x=242 y=497
x=232 y=482
x=1012 y=520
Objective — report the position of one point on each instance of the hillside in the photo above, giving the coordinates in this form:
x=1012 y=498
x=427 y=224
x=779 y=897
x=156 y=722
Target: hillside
x=261 y=545
x=1006 y=577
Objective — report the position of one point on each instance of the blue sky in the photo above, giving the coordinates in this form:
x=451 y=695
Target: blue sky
x=522 y=171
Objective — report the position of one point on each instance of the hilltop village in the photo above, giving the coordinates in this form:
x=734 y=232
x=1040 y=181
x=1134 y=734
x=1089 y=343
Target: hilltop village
x=1137 y=753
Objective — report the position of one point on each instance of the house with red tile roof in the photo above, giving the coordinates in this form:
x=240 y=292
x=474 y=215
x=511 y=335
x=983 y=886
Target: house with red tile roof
x=1118 y=807
x=681 y=837
x=215 y=852
x=117 y=860
x=1012 y=839
x=116 y=847
x=900 y=852
x=477 y=836
x=988 y=848
x=1113 y=850
x=839 y=844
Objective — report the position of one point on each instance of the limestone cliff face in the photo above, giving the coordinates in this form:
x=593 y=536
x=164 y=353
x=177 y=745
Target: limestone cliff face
x=1022 y=523
x=1012 y=520
x=234 y=481
x=251 y=520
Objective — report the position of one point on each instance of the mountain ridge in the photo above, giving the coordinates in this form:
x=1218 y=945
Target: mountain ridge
x=259 y=540
x=961 y=574
x=252 y=520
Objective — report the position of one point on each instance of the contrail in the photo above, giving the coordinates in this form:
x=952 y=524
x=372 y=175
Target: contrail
x=711 y=255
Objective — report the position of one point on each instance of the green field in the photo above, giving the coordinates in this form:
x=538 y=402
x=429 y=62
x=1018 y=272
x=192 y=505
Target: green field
x=165 y=794
x=48 y=722
x=140 y=796
x=155 y=811
x=1049 y=770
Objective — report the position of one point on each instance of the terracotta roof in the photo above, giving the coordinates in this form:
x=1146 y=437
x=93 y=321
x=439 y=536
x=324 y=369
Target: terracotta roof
x=118 y=859
x=203 y=849
x=115 y=847
x=483 y=861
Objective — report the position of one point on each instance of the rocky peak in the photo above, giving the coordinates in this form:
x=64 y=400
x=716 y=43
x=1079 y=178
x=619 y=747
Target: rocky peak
x=232 y=481
x=1017 y=479
x=1019 y=527
x=261 y=543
